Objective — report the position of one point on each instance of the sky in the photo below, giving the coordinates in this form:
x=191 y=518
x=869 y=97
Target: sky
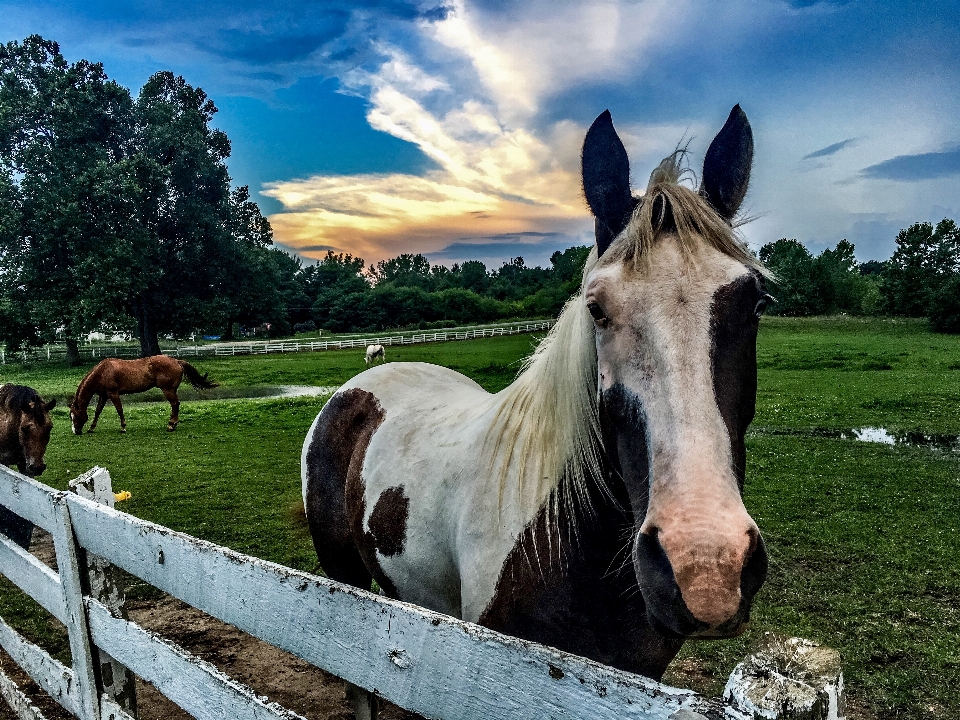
x=453 y=128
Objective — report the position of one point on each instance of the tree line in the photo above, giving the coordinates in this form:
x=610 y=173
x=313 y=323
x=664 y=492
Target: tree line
x=920 y=279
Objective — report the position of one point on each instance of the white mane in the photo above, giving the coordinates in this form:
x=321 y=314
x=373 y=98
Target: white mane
x=547 y=426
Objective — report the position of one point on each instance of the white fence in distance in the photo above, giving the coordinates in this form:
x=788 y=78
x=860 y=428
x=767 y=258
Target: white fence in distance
x=429 y=663
x=265 y=347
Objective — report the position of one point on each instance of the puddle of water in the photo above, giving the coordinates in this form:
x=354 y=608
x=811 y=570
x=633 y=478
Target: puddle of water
x=908 y=438
x=235 y=393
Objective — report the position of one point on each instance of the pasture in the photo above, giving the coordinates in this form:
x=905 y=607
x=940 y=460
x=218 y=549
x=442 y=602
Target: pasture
x=863 y=537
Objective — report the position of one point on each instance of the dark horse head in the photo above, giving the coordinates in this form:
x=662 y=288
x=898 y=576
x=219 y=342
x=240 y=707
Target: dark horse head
x=25 y=427
x=676 y=300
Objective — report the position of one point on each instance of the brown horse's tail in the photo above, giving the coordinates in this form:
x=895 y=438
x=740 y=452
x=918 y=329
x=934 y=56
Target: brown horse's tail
x=195 y=378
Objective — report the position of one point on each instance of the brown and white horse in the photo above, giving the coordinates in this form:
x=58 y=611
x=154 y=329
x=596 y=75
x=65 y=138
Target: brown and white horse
x=595 y=504
x=373 y=353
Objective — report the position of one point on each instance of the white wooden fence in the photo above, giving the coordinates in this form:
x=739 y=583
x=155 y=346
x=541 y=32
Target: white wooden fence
x=265 y=347
x=429 y=663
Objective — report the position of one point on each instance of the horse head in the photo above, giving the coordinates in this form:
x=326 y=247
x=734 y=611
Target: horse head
x=78 y=415
x=34 y=432
x=676 y=300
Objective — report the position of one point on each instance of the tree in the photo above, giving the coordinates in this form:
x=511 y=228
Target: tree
x=405 y=270
x=248 y=279
x=792 y=284
x=472 y=275
x=910 y=271
x=64 y=130
x=190 y=222
x=334 y=277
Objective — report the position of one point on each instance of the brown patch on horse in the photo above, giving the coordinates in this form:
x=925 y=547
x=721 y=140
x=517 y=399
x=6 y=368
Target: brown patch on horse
x=577 y=591
x=335 y=505
x=388 y=521
x=734 y=320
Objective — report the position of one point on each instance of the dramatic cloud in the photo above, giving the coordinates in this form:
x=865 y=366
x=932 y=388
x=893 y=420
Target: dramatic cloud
x=911 y=168
x=385 y=126
x=469 y=100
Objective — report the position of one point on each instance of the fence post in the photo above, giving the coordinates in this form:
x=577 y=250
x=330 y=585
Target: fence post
x=116 y=682
x=68 y=563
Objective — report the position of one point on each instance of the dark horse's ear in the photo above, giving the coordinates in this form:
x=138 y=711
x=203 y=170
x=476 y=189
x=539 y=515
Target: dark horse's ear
x=606 y=180
x=726 y=166
x=50 y=405
x=70 y=399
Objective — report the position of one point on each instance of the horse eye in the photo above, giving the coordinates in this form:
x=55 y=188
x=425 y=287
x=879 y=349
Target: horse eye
x=761 y=306
x=597 y=312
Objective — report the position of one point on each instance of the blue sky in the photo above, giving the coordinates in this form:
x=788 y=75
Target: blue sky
x=453 y=127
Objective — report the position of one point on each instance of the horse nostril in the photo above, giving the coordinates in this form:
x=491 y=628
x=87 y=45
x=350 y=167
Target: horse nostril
x=755 y=565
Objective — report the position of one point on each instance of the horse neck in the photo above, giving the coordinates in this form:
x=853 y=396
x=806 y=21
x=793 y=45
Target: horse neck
x=85 y=388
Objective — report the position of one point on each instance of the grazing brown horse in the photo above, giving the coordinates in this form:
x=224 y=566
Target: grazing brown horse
x=25 y=427
x=113 y=377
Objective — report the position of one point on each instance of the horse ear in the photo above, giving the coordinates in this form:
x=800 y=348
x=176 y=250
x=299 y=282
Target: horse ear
x=606 y=180
x=726 y=166
x=50 y=405
x=70 y=399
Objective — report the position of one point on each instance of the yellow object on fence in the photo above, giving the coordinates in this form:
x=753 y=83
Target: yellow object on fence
x=122 y=495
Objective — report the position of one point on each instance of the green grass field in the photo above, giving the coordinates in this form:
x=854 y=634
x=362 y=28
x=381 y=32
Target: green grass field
x=863 y=538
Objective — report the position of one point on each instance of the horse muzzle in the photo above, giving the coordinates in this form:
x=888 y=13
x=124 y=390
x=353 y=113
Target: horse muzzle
x=36 y=469
x=711 y=599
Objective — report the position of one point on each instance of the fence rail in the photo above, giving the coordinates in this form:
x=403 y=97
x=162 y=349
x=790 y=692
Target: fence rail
x=429 y=663
x=265 y=347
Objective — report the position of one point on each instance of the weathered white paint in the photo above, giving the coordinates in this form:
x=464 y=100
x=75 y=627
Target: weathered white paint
x=433 y=664
x=27 y=498
x=54 y=677
x=18 y=702
x=33 y=577
x=109 y=710
x=88 y=707
x=450 y=669
x=196 y=686
x=118 y=684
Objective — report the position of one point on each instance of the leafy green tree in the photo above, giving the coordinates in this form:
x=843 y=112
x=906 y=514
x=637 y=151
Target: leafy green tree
x=405 y=270
x=64 y=130
x=333 y=278
x=910 y=271
x=793 y=269
x=249 y=277
x=191 y=218
x=472 y=275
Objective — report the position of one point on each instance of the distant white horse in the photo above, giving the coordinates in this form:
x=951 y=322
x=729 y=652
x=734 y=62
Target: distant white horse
x=374 y=352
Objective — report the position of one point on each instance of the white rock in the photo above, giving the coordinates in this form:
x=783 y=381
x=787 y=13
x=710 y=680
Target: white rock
x=788 y=679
